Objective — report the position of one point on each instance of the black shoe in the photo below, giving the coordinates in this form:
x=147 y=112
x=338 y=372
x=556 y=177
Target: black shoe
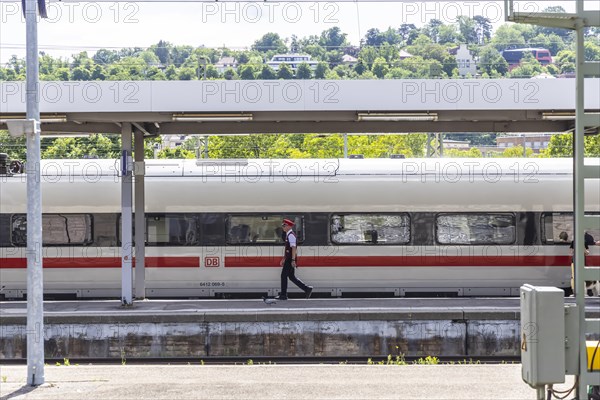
x=590 y=292
x=309 y=292
x=280 y=297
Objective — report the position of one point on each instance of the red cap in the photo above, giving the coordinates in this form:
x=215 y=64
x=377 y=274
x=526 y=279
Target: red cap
x=288 y=222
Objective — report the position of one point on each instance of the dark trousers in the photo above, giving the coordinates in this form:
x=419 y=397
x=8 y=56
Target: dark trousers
x=288 y=272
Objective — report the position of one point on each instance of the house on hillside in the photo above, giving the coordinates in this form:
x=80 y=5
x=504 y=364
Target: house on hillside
x=464 y=60
x=293 y=60
x=349 y=60
x=404 y=54
x=226 y=62
x=536 y=141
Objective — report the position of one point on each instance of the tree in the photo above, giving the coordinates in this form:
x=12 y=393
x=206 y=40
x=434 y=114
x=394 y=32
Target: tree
x=95 y=146
x=373 y=37
x=81 y=74
x=321 y=70
x=333 y=39
x=367 y=56
x=267 y=73
x=447 y=34
x=491 y=61
x=176 y=153
x=303 y=71
x=15 y=147
x=466 y=27
x=432 y=29
x=294 y=45
x=186 y=74
x=507 y=36
x=229 y=74
x=408 y=33
x=246 y=72
x=473 y=152
x=565 y=61
x=105 y=57
x=516 y=152
x=270 y=41
x=380 y=67
x=163 y=51
x=483 y=29
x=252 y=146
x=561 y=145
x=528 y=68
x=284 y=72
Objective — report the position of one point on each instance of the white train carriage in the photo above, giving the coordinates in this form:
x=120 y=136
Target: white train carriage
x=370 y=226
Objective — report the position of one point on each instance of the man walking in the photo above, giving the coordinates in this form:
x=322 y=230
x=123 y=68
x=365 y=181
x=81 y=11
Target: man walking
x=288 y=262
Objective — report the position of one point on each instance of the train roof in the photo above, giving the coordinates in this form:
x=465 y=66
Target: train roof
x=313 y=167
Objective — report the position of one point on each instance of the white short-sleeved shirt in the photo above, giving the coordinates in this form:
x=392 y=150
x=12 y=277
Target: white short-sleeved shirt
x=291 y=239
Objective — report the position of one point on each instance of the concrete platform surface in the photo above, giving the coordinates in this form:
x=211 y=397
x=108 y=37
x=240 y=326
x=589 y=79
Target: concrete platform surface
x=493 y=308
x=278 y=382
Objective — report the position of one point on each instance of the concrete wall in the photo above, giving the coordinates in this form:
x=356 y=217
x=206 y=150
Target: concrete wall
x=276 y=335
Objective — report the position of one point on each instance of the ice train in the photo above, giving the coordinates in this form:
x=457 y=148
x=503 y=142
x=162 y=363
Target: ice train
x=403 y=227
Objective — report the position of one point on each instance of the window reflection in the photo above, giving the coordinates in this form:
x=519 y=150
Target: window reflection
x=476 y=229
x=370 y=229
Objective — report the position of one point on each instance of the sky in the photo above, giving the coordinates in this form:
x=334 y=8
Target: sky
x=75 y=26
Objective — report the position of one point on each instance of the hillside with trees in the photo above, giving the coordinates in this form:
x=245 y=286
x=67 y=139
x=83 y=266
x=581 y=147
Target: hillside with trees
x=379 y=55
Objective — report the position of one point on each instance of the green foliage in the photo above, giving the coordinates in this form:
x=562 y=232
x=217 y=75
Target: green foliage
x=267 y=73
x=93 y=146
x=270 y=41
x=516 y=152
x=321 y=70
x=303 y=71
x=561 y=145
x=176 y=153
x=473 y=152
x=14 y=147
x=165 y=61
x=285 y=72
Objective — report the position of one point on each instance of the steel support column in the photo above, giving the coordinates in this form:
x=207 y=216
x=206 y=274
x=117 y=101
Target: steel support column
x=140 y=218
x=126 y=216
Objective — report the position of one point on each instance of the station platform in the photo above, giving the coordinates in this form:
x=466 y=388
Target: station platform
x=201 y=329
x=267 y=382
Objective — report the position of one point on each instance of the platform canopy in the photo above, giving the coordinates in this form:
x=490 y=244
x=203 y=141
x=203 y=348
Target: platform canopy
x=303 y=106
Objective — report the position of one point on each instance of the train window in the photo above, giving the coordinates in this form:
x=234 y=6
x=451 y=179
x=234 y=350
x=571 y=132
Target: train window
x=369 y=229
x=57 y=229
x=4 y=230
x=475 y=229
x=558 y=228
x=172 y=230
x=260 y=229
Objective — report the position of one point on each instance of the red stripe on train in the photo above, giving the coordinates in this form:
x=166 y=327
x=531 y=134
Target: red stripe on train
x=103 y=262
x=411 y=261
x=329 y=261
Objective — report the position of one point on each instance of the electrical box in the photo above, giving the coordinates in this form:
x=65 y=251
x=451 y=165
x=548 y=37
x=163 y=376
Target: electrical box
x=542 y=335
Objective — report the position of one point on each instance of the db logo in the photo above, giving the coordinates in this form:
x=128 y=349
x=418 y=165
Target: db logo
x=211 y=261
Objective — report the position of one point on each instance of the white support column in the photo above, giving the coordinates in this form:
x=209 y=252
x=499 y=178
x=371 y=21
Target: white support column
x=126 y=217
x=140 y=220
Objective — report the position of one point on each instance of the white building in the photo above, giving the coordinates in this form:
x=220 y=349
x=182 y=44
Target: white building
x=465 y=61
x=226 y=62
x=293 y=60
x=349 y=60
